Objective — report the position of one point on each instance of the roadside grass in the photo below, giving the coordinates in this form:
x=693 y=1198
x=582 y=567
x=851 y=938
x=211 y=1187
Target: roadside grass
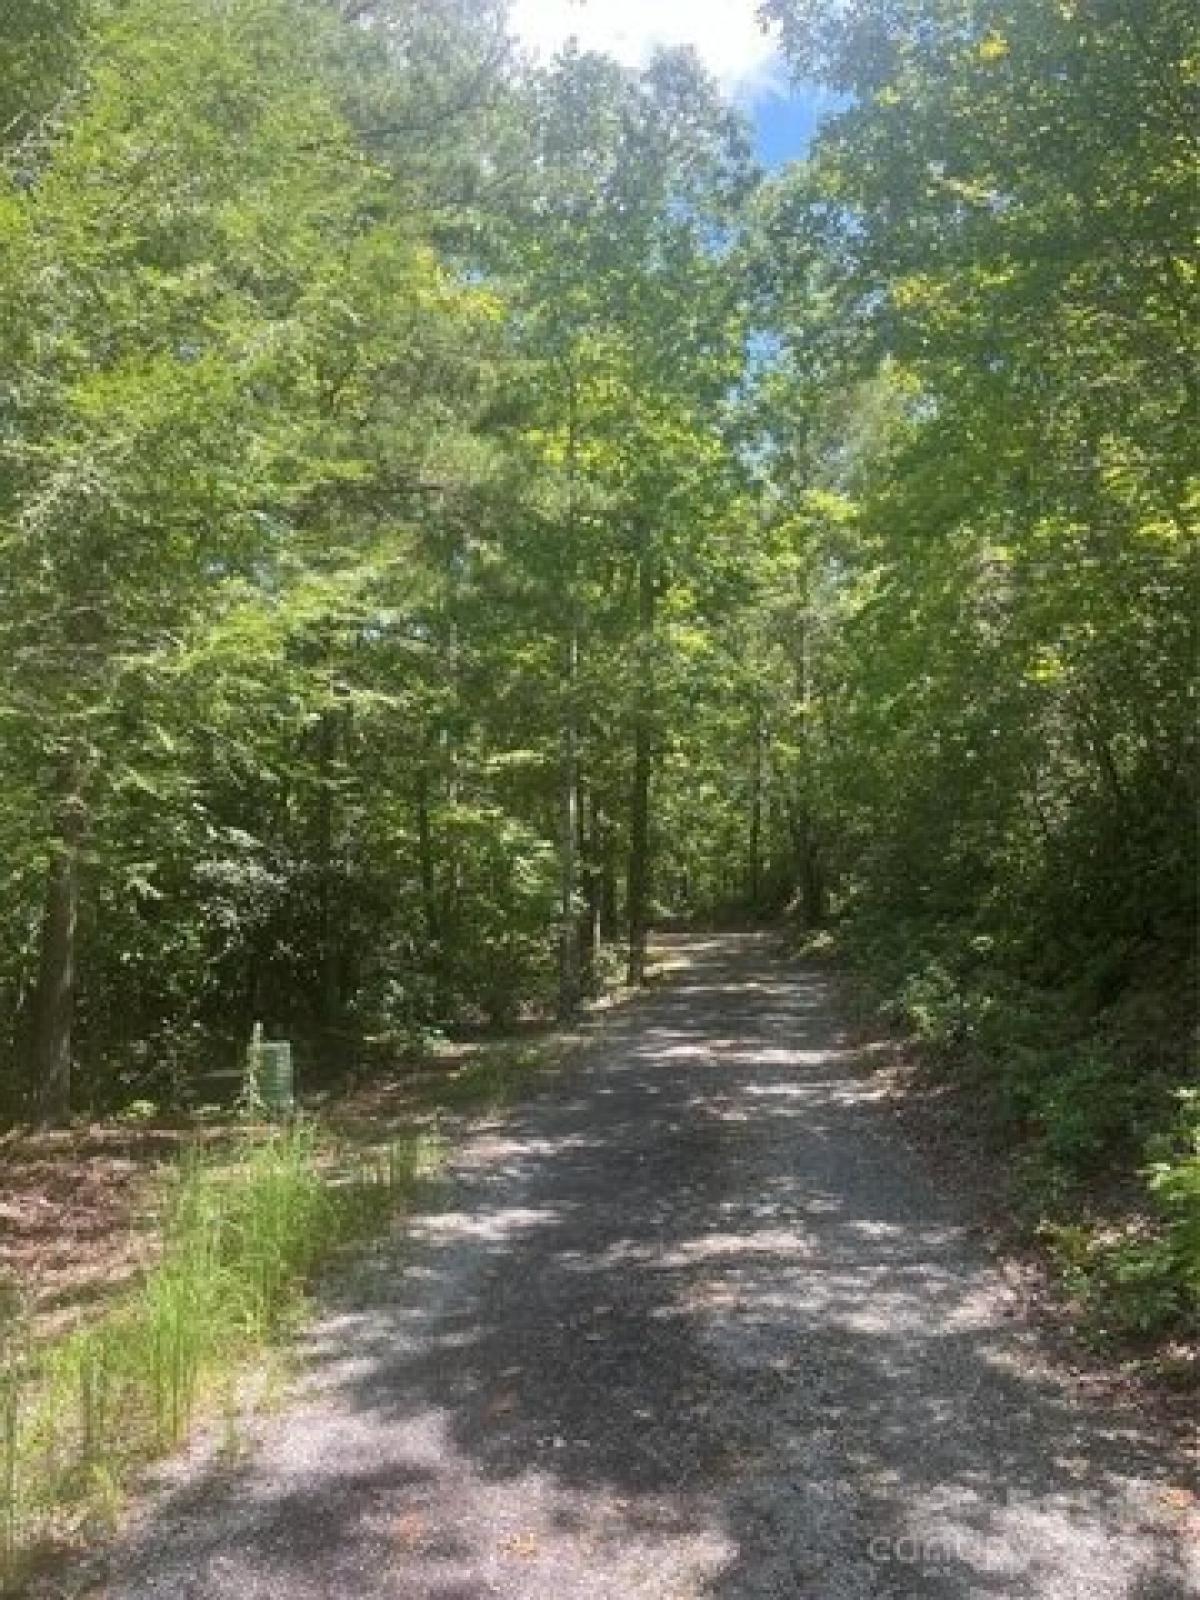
x=242 y=1231
x=244 y=1219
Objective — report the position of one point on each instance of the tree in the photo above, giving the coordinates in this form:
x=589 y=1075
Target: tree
x=1000 y=216
x=635 y=317
x=183 y=409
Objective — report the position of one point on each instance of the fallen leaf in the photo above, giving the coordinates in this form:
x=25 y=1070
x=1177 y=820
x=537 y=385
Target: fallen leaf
x=410 y=1529
x=1179 y=1499
x=524 y=1545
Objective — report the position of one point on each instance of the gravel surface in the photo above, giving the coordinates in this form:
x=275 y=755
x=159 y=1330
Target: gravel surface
x=692 y=1322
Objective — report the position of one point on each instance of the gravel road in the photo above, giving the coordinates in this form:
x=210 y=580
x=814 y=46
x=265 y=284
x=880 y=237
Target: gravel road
x=690 y=1323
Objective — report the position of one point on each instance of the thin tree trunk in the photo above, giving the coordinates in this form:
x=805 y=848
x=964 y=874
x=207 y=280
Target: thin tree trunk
x=568 y=932
x=568 y=951
x=54 y=997
x=756 y=816
x=639 y=879
x=427 y=866
x=805 y=828
x=815 y=899
x=589 y=854
x=810 y=872
x=329 y=991
x=609 y=915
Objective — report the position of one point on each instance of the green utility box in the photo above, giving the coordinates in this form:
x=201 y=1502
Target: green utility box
x=270 y=1070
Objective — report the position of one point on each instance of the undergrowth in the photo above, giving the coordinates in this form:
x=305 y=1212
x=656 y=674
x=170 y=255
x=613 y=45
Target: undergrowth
x=494 y=1079
x=242 y=1232
x=1091 y=1099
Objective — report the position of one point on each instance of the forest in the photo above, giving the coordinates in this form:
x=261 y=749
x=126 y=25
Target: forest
x=458 y=513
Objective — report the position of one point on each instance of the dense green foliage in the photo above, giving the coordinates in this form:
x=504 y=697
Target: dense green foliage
x=989 y=285
x=325 y=510
x=452 y=513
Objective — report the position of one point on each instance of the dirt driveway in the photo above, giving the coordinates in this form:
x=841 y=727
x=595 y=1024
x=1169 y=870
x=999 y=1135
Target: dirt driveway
x=692 y=1322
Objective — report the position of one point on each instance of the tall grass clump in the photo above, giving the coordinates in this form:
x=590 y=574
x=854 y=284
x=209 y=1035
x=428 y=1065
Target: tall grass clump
x=241 y=1234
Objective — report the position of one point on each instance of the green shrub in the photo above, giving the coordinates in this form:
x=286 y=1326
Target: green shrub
x=1174 y=1181
x=1144 y=1283
x=1069 y=1066
x=500 y=948
x=1086 y=1105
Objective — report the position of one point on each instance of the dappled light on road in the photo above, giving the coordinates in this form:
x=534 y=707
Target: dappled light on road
x=690 y=1323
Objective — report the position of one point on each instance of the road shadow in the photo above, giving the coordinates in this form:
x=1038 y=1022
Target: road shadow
x=690 y=1322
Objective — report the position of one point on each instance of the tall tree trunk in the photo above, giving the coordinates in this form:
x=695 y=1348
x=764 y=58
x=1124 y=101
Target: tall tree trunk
x=810 y=871
x=589 y=923
x=435 y=910
x=568 y=929
x=756 y=815
x=568 y=936
x=329 y=988
x=639 y=879
x=54 y=997
x=607 y=847
x=804 y=823
x=426 y=863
